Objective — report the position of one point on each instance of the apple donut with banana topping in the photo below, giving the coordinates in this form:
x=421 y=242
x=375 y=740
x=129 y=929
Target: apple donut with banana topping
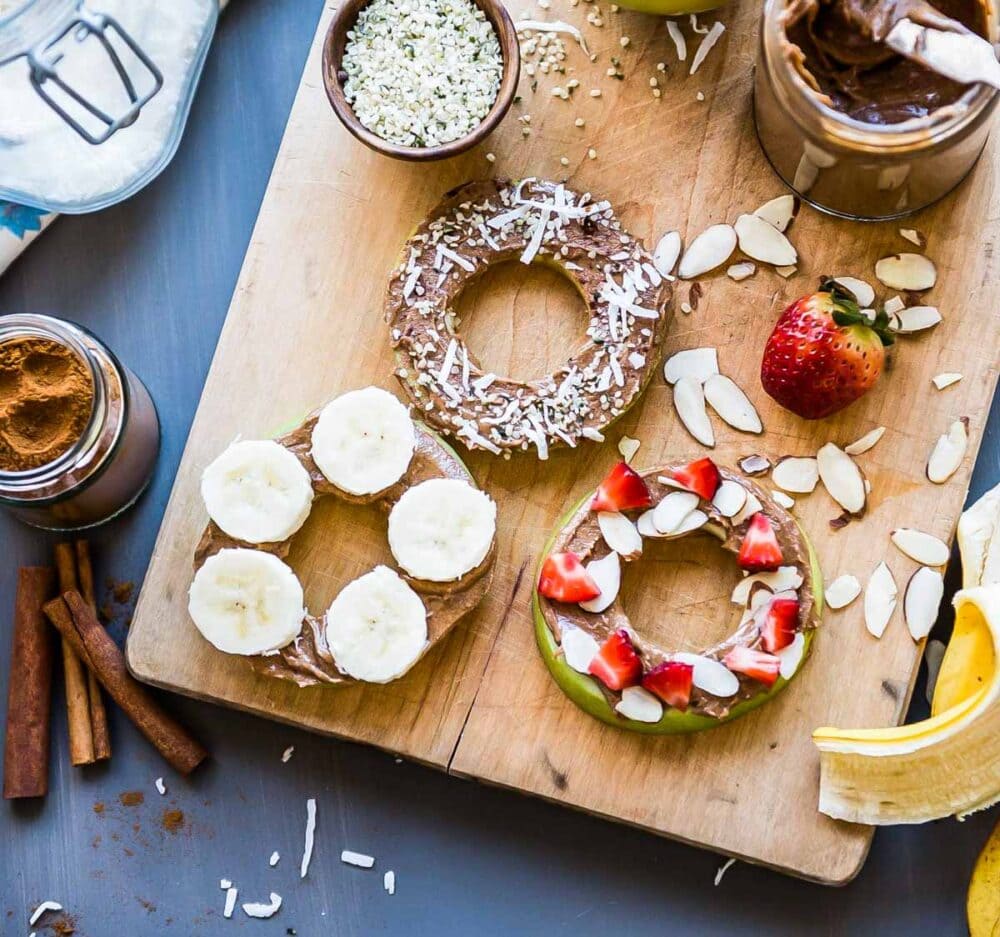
x=607 y=668
x=484 y=223
x=365 y=448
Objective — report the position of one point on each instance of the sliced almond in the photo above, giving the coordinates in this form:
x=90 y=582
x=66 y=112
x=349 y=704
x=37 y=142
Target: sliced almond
x=894 y=305
x=729 y=498
x=779 y=212
x=863 y=292
x=645 y=524
x=699 y=363
x=784 y=500
x=578 y=648
x=798 y=474
x=670 y=513
x=841 y=477
x=880 y=600
x=619 y=534
x=842 y=591
x=689 y=402
x=946 y=379
x=916 y=319
x=924 y=548
x=694 y=521
x=754 y=465
x=607 y=575
x=912 y=235
x=948 y=452
x=709 y=675
x=628 y=447
x=791 y=656
x=922 y=600
x=910 y=272
x=640 y=705
x=707 y=251
x=741 y=271
x=780 y=580
x=748 y=510
x=866 y=442
x=763 y=241
x=786 y=271
x=666 y=253
x=729 y=401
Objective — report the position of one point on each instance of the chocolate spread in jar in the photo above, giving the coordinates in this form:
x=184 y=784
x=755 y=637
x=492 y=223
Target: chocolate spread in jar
x=838 y=48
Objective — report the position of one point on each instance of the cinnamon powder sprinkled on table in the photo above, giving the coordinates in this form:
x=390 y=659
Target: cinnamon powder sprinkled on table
x=131 y=798
x=46 y=398
x=172 y=820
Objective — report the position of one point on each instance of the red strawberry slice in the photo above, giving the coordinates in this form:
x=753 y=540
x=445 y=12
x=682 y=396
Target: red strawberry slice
x=671 y=681
x=760 y=550
x=564 y=579
x=755 y=664
x=781 y=617
x=617 y=665
x=701 y=477
x=621 y=490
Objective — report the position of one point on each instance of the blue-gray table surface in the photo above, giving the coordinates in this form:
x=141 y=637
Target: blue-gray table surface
x=154 y=278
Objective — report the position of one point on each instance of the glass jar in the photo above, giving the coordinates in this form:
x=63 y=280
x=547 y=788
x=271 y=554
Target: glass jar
x=106 y=469
x=93 y=102
x=853 y=169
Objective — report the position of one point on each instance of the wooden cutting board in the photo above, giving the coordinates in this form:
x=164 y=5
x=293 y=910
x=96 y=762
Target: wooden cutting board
x=306 y=324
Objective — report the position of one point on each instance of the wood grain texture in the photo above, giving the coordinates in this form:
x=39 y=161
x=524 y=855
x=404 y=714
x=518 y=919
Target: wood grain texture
x=305 y=324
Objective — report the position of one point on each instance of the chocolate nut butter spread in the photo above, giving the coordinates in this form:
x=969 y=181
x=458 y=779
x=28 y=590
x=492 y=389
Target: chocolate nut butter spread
x=46 y=398
x=838 y=46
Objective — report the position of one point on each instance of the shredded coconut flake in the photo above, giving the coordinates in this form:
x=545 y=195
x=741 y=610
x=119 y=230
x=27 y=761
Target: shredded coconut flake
x=723 y=869
x=161 y=788
x=310 y=836
x=680 y=43
x=260 y=909
x=231 y=895
x=286 y=755
x=41 y=909
x=714 y=34
x=389 y=882
x=357 y=858
x=273 y=861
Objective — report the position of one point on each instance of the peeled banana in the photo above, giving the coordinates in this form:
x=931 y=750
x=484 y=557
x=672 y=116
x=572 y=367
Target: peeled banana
x=948 y=765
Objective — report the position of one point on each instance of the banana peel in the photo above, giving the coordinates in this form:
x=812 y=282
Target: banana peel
x=983 y=903
x=969 y=659
x=948 y=765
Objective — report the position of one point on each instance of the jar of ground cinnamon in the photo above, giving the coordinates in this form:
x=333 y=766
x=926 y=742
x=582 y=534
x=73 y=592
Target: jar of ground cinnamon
x=79 y=435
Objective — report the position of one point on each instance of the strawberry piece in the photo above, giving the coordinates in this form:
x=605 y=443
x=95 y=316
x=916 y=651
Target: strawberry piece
x=823 y=354
x=565 y=579
x=780 y=621
x=617 y=665
x=760 y=550
x=701 y=477
x=755 y=664
x=622 y=489
x=671 y=681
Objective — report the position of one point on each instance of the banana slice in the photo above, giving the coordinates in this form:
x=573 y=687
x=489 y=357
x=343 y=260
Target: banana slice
x=363 y=441
x=377 y=627
x=441 y=528
x=257 y=491
x=246 y=601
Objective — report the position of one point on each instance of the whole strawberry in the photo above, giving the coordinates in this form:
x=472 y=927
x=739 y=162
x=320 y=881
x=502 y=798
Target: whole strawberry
x=823 y=354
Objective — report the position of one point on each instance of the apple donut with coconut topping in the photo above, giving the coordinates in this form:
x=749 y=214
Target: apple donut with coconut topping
x=362 y=447
x=484 y=223
x=606 y=666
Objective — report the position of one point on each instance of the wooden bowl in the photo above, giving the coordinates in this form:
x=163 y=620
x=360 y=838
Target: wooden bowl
x=333 y=52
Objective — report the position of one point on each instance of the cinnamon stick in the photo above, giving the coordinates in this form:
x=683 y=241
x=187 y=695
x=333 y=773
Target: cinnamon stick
x=98 y=714
x=81 y=733
x=29 y=691
x=79 y=626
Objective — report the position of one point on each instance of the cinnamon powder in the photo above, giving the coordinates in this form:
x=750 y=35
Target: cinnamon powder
x=46 y=398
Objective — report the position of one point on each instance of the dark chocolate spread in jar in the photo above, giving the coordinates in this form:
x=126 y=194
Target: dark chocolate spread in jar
x=838 y=46
x=79 y=435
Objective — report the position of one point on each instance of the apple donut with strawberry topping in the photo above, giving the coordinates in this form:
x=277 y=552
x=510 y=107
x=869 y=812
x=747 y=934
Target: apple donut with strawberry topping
x=485 y=223
x=362 y=447
x=607 y=667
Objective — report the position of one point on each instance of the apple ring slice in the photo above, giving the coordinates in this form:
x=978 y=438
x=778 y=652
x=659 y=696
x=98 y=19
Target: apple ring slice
x=607 y=667
x=533 y=221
